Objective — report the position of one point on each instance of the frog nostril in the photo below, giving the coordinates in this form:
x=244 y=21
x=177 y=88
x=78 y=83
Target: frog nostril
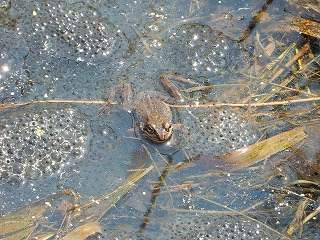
x=166 y=126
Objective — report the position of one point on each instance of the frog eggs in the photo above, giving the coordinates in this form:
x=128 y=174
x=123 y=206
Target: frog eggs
x=216 y=131
x=35 y=142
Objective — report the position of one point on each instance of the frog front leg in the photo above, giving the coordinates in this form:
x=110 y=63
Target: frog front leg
x=167 y=80
x=126 y=94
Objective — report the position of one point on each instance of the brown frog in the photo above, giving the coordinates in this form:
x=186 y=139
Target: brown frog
x=153 y=115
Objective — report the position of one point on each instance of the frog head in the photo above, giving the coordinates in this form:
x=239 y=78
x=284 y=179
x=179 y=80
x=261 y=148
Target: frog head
x=158 y=132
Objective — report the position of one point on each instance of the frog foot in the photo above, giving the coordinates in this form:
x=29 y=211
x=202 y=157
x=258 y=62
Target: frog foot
x=108 y=104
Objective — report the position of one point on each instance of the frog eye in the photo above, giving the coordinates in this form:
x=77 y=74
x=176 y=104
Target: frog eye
x=148 y=128
x=167 y=126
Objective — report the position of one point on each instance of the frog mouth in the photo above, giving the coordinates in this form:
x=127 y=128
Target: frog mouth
x=157 y=138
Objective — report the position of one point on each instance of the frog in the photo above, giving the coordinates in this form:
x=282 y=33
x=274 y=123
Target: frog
x=150 y=108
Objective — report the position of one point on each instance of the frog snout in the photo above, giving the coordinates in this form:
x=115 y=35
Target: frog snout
x=164 y=135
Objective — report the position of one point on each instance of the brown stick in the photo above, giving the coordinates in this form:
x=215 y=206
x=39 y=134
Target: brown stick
x=5 y=106
x=247 y=104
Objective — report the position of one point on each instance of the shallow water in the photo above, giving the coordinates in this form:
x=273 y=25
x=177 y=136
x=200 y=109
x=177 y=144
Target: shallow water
x=79 y=51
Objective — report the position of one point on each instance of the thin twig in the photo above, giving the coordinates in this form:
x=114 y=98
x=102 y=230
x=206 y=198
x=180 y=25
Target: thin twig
x=242 y=214
x=246 y=104
x=294 y=90
x=10 y=105
x=6 y=106
x=302 y=51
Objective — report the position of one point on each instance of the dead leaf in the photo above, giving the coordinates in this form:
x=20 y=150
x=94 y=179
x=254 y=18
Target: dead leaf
x=84 y=231
x=257 y=152
x=262 y=150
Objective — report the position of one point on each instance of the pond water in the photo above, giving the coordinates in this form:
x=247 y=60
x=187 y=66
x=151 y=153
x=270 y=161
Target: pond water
x=81 y=50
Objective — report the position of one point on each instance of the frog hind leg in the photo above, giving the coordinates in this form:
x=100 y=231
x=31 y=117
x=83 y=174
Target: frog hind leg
x=167 y=80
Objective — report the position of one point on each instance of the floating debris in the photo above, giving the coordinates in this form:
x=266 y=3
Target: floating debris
x=91 y=229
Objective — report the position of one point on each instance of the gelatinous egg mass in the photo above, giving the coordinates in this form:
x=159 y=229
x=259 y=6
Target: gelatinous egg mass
x=216 y=131
x=36 y=142
x=73 y=30
x=216 y=227
x=198 y=49
x=200 y=226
